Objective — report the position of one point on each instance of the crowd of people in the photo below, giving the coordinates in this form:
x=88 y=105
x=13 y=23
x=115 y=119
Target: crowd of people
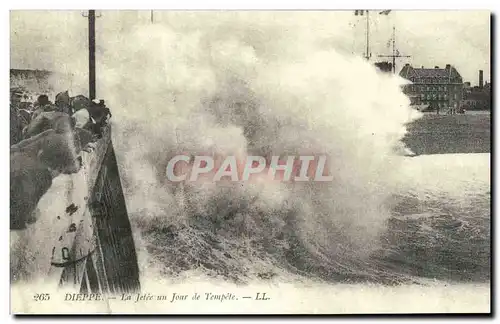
x=46 y=140
x=27 y=118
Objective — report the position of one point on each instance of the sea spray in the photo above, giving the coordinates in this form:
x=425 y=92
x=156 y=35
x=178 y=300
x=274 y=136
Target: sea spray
x=256 y=89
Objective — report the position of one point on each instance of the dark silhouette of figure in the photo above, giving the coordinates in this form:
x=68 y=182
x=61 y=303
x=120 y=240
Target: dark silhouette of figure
x=34 y=162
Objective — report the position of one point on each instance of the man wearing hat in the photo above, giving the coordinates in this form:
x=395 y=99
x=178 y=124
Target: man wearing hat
x=43 y=105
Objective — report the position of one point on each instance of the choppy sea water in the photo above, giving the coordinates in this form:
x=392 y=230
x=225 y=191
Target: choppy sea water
x=439 y=231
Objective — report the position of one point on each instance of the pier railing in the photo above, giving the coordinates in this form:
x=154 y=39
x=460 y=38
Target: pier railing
x=83 y=238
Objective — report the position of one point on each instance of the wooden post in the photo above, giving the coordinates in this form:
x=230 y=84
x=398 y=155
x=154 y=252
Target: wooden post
x=92 y=54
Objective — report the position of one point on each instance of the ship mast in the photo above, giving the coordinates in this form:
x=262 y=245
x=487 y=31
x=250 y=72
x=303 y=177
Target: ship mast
x=395 y=53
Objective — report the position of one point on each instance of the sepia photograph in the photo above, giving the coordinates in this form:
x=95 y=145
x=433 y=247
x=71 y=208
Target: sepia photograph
x=232 y=162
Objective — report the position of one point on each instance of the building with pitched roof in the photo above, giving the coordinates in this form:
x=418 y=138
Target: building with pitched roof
x=437 y=88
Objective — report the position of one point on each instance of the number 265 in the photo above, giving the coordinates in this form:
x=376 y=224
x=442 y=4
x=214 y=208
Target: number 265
x=41 y=297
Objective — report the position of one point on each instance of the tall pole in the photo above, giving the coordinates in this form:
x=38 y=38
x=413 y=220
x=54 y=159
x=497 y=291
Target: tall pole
x=367 y=34
x=395 y=53
x=151 y=16
x=91 y=54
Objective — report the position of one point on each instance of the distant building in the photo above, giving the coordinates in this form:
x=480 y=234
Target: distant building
x=438 y=88
x=477 y=98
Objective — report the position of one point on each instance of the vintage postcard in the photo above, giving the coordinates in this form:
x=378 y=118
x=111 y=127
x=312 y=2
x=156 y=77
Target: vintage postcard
x=250 y=162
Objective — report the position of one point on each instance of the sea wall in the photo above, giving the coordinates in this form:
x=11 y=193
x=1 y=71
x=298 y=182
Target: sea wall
x=63 y=231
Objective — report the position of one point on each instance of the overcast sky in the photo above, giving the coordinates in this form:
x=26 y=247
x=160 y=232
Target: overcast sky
x=58 y=39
